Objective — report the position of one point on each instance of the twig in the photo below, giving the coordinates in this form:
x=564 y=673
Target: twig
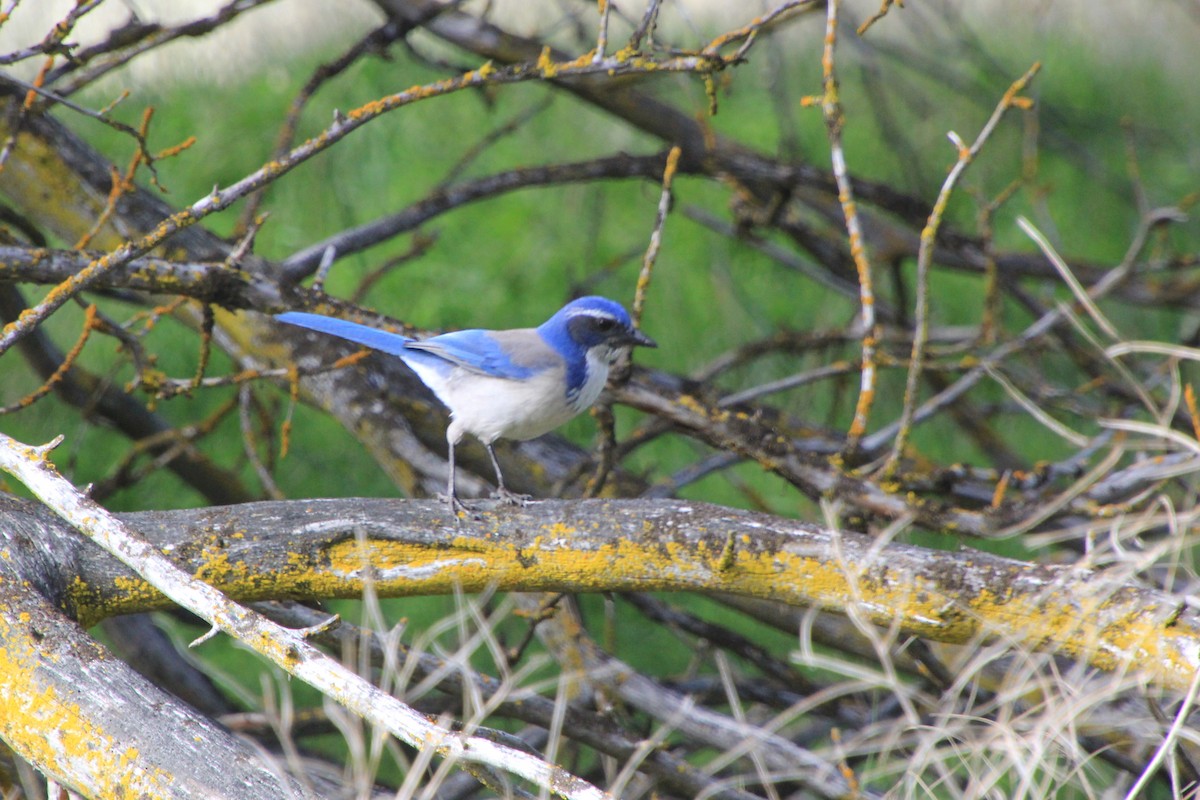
x=127 y=42
x=323 y=267
x=1167 y=747
x=750 y=31
x=138 y=136
x=645 y=29
x=1033 y=333
x=607 y=435
x=56 y=377
x=692 y=473
x=53 y=43
x=166 y=447
x=420 y=244
x=377 y=40
x=660 y=219
x=966 y=155
x=250 y=445
x=712 y=728
x=602 y=34
x=835 y=120
x=219 y=198
x=884 y=8
x=782 y=255
x=459 y=679
x=301 y=264
x=492 y=136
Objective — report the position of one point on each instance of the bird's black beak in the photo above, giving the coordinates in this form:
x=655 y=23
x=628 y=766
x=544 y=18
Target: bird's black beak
x=639 y=339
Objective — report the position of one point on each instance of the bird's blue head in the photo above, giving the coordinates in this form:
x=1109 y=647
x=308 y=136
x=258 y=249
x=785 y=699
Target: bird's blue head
x=593 y=324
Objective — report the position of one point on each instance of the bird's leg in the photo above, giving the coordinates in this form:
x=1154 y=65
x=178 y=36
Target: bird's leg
x=502 y=493
x=451 y=496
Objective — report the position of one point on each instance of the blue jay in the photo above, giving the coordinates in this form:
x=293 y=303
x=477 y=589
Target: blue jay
x=516 y=384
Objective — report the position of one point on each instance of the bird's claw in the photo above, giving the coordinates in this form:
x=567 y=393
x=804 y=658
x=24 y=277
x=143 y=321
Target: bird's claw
x=458 y=509
x=509 y=498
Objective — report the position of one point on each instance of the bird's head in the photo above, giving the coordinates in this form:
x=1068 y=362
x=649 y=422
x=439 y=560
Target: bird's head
x=594 y=325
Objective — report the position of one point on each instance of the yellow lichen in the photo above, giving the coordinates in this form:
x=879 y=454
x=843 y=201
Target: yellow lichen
x=80 y=753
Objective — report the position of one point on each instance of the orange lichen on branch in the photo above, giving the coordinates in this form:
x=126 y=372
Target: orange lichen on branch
x=1012 y=95
x=754 y=26
x=121 y=183
x=544 y=63
x=831 y=109
x=116 y=101
x=884 y=8
x=89 y=324
x=206 y=330
x=664 y=206
x=1001 y=488
x=285 y=429
x=174 y=150
x=39 y=81
x=1189 y=397
x=115 y=191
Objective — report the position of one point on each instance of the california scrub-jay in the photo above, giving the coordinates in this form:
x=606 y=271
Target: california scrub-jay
x=516 y=384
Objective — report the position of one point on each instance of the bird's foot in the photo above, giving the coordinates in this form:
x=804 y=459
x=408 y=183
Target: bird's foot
x=510 y=498
x=458 y=509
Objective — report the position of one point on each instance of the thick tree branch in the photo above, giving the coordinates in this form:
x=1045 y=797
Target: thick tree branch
x=115 y=734
x=312 y=549
x=290 y=650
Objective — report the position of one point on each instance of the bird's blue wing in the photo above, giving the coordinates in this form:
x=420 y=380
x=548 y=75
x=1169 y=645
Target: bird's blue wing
x=479 y=351
x=374 y=338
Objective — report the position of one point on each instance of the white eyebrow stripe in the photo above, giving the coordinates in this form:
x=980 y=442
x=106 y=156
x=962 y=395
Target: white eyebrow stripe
x=591 y=312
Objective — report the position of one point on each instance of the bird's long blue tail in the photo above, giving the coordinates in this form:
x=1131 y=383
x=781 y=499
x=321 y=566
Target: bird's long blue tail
x=392 y=343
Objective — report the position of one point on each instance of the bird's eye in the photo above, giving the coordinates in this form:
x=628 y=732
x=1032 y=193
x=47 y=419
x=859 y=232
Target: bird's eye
x=604 y=324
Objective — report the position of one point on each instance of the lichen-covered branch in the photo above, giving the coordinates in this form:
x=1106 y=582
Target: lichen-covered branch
x=307 y=549
x=288 y=649
x=88 y=720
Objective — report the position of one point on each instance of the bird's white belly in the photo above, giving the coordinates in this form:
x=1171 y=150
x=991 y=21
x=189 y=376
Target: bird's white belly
x=492 y=408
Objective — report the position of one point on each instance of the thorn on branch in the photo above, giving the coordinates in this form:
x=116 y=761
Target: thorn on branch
x=213 y=631
x=42 y=452
x=246 y=244
x=321 y=627
x=327 y=259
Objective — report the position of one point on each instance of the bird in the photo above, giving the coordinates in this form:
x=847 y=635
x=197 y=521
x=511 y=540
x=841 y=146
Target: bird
x=511 y=384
